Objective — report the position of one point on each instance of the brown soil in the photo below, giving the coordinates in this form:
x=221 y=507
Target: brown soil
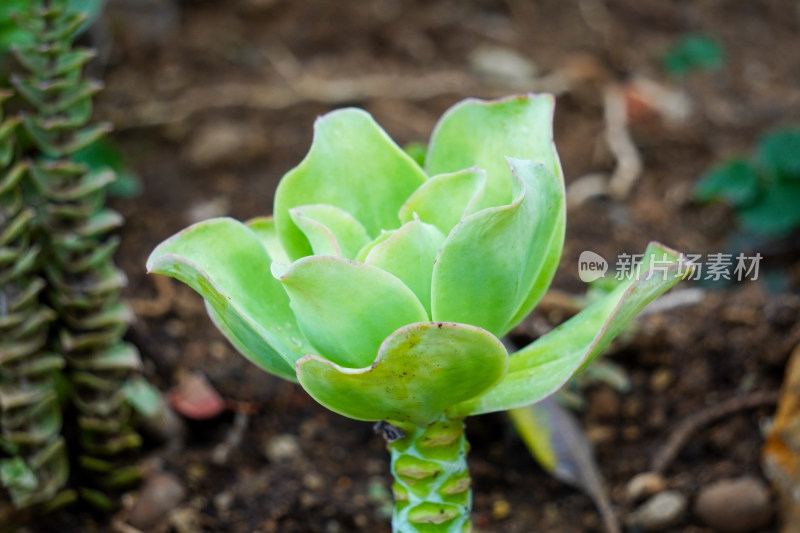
x=214 y=101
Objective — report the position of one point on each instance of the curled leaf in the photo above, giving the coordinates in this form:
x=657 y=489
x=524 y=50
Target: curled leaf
x=419 y=371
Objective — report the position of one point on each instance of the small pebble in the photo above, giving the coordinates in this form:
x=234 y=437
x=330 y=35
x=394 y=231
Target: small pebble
x=736 y=505
x=166 y=426
x=313 y=481
x=223 y=502
x=643 y=486
x=661 y=380
x=659 y=512
x=600 y=434
x=633 y=407
x=159 y=495
x=185 y=520
x=216 y=207
x=501 y=509
x=282 y=448
x=604 y=403
x=501 y=64
x=631 y=433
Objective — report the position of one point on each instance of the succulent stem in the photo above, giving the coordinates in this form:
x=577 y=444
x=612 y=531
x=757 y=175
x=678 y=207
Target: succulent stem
x=431 y=479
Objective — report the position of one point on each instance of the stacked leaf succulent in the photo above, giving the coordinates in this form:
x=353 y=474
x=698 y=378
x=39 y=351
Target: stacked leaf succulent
x=30 y=414
x=74 y=234
x=384 y=288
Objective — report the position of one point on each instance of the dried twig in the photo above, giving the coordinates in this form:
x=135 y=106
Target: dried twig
x=629 y=162
x=118 y=526
x=670 y=450
x=232 y=440
x=158 y=306
x=586 y=187
x=266 y=95
x=674 y=300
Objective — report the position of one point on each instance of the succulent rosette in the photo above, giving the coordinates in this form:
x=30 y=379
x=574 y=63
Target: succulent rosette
x=384 y=287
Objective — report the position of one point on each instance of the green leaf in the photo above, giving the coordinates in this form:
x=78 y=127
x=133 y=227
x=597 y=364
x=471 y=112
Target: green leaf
x=483 y=133
x=16 y=474
x=226 y=263
x=779 y=154
x=103 y=154
x=267 y=233
x=321 y=239
x=10 y=33
x=445 y=199
x=417 y=152
x=353 y=165
x=37 y=478
x=734 y=181
x=361 y=256
x=495 y=265
x=409 y=254
x=91 y=7
x=556 y=440
x=551 y=219
x=420 y=370
x=250 y=343
x=776 y=212
x=143 y=397
x=692 y=53
x=346 y=309
x=333 y=229
x=545 y=365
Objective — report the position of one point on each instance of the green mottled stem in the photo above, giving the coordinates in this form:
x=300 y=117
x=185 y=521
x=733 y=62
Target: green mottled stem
x=431 y=479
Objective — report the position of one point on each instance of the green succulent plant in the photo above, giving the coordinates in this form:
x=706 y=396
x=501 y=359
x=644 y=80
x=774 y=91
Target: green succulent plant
x=383 y=288
x=73 y=229
x=36 y=466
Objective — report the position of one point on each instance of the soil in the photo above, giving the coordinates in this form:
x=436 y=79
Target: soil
x=215 y=101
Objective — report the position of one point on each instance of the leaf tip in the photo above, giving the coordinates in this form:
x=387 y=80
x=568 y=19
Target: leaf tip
x=279 y=270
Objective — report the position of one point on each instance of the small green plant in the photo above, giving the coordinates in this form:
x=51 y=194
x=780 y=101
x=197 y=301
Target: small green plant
x=383 y=288
x=764 y=189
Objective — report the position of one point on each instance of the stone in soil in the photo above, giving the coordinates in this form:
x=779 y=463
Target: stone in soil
x=659 y=512
x=644 y=485
x=736 y=505
x=159 y=495
x=282 y=448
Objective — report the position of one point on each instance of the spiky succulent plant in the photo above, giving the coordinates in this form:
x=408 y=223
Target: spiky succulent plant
x=384 y=288
x=74 y=233
x=36 y=467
